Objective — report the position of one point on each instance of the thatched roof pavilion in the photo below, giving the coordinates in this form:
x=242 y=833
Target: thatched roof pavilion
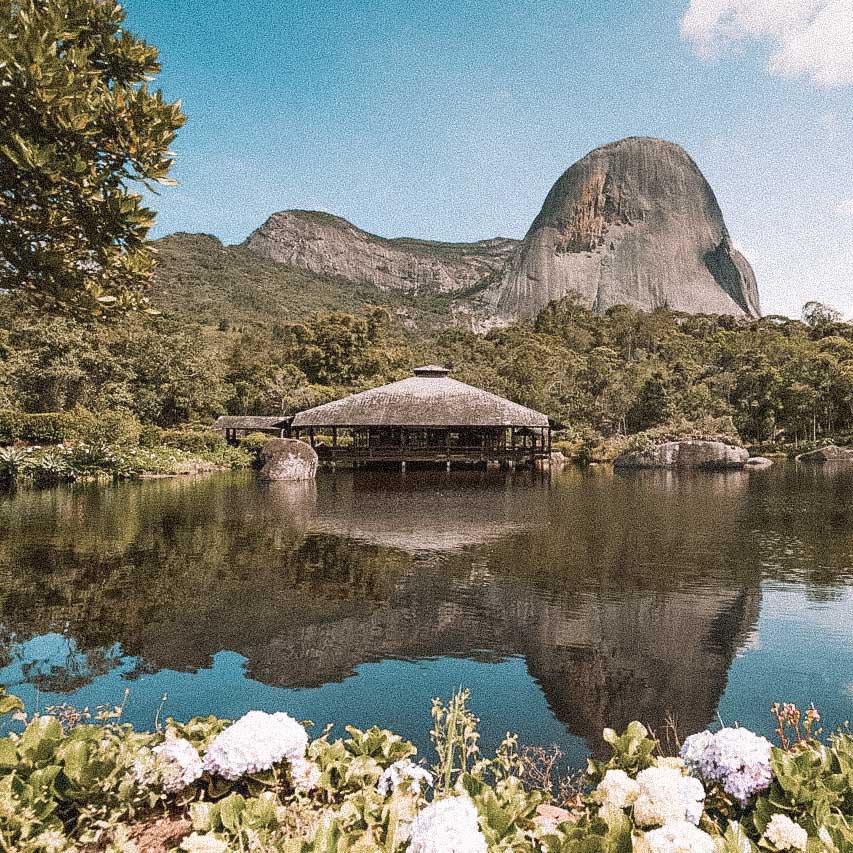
x=428 y=417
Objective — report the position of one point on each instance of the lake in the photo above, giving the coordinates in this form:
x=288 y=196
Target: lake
x=565 y=604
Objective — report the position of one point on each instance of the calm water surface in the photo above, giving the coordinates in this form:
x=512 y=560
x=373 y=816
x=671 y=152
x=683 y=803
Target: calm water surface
x=568 y=604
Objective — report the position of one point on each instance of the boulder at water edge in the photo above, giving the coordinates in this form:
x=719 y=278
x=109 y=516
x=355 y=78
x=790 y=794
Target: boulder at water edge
x=685 y=454
x=288 y=459
x=830 y=453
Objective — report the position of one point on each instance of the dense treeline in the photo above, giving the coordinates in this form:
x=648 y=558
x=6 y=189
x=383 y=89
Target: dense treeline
x=774 y=379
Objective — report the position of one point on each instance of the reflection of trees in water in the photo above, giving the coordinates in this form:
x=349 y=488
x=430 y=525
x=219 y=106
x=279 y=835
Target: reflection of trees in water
x=802 y=519
x=627 y=595
x=53 y=662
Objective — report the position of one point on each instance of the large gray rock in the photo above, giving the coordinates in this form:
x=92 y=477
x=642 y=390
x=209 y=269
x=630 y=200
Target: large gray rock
x=830 y=453
x=685 y=454
x=634 y=223
x=329 y=245
x=288 y=459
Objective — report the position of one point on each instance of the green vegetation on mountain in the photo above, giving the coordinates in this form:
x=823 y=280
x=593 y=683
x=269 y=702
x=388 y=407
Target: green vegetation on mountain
x=198 y=279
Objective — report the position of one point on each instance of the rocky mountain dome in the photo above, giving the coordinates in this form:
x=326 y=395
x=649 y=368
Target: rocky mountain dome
x=635 y=223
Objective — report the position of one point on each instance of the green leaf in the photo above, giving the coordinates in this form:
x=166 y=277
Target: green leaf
x=8 y=753
x=9 y=703
x=75 y=763
x=230 y=809
x=40 y=739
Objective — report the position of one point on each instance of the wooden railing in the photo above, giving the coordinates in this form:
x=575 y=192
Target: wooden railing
x=475 y=453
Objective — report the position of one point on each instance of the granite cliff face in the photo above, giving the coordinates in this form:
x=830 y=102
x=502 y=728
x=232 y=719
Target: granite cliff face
x=633 y=223
x=328 y=245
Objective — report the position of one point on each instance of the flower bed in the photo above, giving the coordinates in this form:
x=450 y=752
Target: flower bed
x=261 y=784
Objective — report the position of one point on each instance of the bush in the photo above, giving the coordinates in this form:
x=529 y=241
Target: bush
x=151 y=435
x=193 y=441
x=586 y=445
x=114 y=427
x=82 y=460
x=254 y=443
x=100 y=428
x=39 y=428
x=79 y=784
x=706 y=429
x=12 y=461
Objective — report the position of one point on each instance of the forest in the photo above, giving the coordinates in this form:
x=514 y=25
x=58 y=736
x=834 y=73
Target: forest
x=770 y=381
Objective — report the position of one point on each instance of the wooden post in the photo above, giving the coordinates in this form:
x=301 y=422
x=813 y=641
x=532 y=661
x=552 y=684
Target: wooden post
x=334 y=436
x=311 y=436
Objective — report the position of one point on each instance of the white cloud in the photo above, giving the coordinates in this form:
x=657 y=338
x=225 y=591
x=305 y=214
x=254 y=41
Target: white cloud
x=811 y=38
x=844 y=208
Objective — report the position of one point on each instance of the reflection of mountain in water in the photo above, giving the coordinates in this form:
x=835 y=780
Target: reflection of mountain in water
x=628 y=597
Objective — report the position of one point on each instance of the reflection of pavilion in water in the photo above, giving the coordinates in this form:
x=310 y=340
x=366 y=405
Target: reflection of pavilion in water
x=582 y=579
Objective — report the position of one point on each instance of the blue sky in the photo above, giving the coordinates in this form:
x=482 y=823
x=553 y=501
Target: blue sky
x=451 y=119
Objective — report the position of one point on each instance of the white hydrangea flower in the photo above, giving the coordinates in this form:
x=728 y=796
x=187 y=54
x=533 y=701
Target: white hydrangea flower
x=197 y=843
x=405 y=770
x=677 y=836
x=51 y=841
x=448 y=826
x=666 y=795
x=695 y=748
x=617 y=790
x=304 y=774
x=257 y=741
x=178 y=763
x=784 y=834
x=145 y=769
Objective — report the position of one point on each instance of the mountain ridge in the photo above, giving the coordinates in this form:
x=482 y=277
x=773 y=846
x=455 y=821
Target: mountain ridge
x=633 y=222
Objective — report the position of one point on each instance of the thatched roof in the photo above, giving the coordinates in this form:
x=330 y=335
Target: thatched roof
x=430 y=398
x=251 y=422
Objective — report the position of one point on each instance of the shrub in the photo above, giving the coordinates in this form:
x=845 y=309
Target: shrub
x=194 y=441
x=77 y=785
x=113 y=427
x=38 y=428
x=706 y=429
x=254 y=442
x=12 y=461
x=151 y=435
x=100 y=428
